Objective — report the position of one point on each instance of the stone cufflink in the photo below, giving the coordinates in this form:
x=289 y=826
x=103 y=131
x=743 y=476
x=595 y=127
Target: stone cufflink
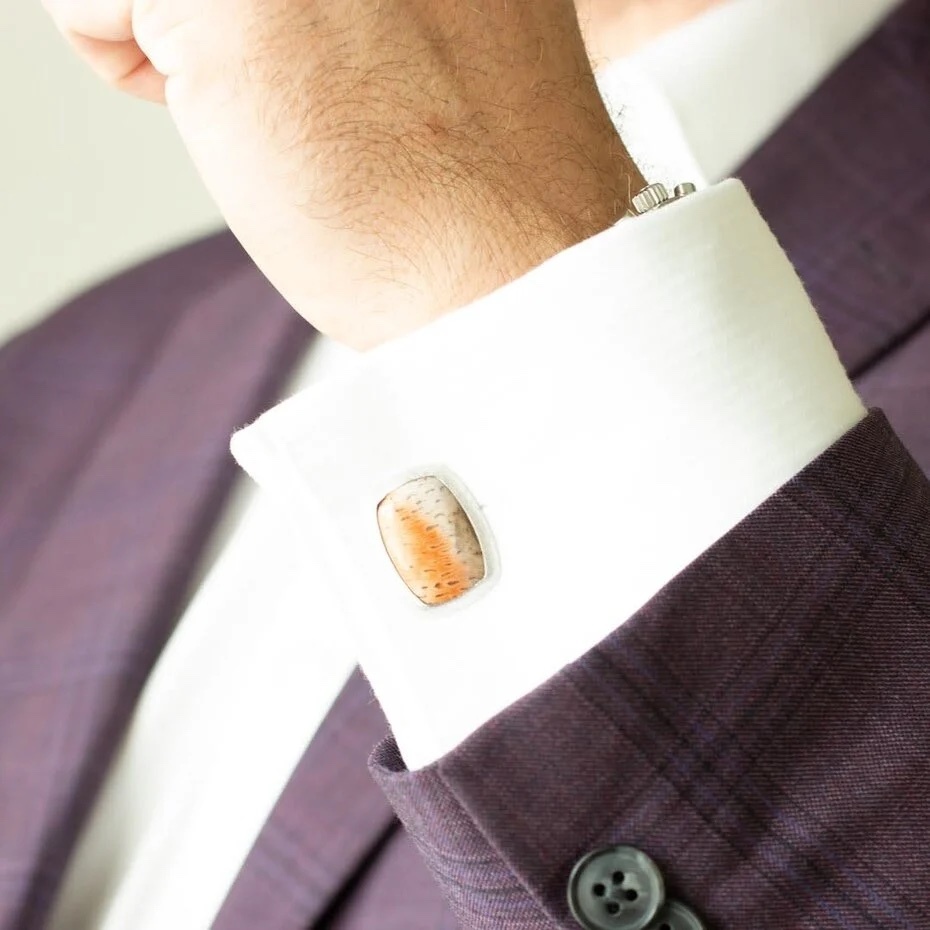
x=430 y=540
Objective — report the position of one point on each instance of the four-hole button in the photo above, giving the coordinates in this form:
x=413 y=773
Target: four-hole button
x=617 y=888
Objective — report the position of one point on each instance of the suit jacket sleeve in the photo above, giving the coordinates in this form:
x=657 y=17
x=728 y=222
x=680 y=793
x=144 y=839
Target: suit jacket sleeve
x=761 y=728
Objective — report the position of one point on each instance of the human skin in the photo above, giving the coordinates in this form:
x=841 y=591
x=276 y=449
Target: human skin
x=382 y=161
x=613 y=28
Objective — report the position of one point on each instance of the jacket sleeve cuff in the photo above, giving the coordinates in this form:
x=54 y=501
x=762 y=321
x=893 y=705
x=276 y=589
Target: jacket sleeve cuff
x=759 y=728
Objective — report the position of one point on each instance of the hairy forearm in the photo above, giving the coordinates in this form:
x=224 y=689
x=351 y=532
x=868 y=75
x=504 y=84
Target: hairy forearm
x=384 y=161
x=490 y=203
x=462 y=152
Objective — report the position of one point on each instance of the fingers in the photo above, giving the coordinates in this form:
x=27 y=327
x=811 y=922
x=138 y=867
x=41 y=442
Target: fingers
x=100 y=31
x=122 y=64
x=108 y=20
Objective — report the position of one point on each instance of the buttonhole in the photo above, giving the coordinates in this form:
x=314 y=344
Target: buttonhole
x=599 y=890
x=631 y=895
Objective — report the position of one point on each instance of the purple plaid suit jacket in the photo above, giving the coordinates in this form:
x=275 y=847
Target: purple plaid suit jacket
x=761 y=728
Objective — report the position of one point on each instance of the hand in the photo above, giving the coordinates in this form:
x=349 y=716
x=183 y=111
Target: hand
x=382 y=161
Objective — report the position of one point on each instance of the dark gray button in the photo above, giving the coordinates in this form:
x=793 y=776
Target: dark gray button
x=673 y=915
x=617 y=888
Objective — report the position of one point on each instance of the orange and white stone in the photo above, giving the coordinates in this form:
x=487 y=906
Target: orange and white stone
x=430 y=540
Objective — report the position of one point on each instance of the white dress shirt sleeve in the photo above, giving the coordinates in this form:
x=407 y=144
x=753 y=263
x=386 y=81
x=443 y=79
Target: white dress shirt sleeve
x=606 y=417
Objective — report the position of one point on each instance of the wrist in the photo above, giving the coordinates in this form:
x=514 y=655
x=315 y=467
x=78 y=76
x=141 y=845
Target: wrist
x=498 y=225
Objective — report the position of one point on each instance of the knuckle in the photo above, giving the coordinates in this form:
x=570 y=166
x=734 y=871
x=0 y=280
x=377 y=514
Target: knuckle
x=163 y=30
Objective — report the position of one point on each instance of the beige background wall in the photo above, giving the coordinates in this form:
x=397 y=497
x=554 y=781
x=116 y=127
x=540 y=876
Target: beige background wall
x=90 y=181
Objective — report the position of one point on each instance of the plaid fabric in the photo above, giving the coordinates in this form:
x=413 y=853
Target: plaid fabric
x=844 y=185
x=761 y=727
x=115 y=418
x=329 y=822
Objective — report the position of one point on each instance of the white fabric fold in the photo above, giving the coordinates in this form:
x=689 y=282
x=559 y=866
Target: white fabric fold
x=700 y=380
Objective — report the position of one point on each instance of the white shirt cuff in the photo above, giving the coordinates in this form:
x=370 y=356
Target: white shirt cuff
x=609 y=415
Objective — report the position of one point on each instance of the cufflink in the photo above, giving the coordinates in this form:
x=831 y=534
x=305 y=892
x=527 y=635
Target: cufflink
x=654 y=196
x=430 y=540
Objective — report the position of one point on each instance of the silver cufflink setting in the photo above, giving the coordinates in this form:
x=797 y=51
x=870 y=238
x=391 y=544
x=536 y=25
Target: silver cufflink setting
x=654 y=196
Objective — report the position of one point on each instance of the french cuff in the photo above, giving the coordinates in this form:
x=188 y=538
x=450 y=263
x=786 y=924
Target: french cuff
x=602 y=420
